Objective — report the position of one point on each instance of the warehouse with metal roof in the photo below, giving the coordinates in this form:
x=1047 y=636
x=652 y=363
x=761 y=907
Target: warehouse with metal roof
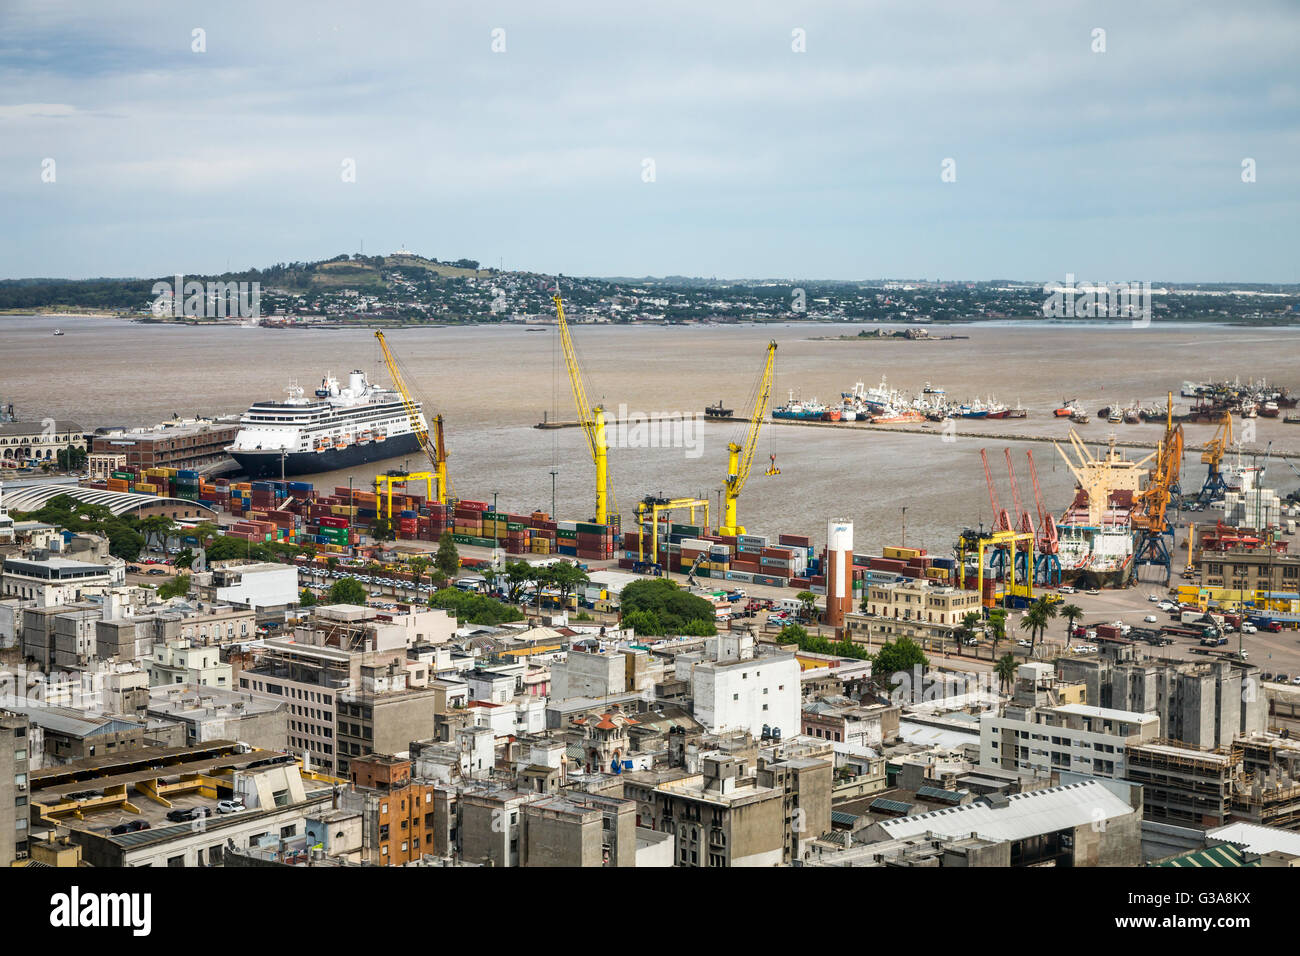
x=36 y=496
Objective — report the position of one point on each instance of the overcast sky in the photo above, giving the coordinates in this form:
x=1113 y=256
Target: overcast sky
x=1116 y=165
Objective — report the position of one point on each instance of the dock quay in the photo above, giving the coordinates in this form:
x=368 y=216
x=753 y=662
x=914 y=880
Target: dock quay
x=929 y=428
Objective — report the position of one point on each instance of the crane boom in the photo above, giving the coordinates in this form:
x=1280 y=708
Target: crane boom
x=1001 y=520
x=591 y=419
x=740 y=458
x=436 y=451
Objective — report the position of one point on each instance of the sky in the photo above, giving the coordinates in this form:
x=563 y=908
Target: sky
x=951 y=139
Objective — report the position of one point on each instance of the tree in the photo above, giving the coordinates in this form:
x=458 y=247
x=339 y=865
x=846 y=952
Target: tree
x=72 y=458
x=970 y=625
x=382 y=529
x=447 y=560
x=347 y=591
x=900 y=655
x=1005 y=668
x=307 y=598
x=997 y=627
x=157 y=529
x=1071 y=613
x=418 y=567
x=474 y=608
x=673 y=607
x=185 y=559
x=178 y=586
x=1034 y=621
x=566 y=578
x=331 y=562
x=807 y=605
x=517 y=575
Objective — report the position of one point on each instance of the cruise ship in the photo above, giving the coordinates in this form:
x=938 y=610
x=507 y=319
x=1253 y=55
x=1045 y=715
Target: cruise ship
x=339 y=427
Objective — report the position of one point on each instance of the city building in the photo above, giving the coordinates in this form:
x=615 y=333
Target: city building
x=396 y=810
x=1204 y=704
x=181 y=662
x=263 y=585
x=42 y=441
x=1079 y=824
x=51 y=581
x=188 y=444
x=14 y=789
x=210 y=714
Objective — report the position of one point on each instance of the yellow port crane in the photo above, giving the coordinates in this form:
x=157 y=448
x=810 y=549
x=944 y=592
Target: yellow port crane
x=1212 y=455
x=591 y=419
x=740 y=458
x=435 y=447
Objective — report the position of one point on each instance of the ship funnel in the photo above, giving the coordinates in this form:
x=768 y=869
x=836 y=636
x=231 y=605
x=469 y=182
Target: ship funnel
x=357 y=382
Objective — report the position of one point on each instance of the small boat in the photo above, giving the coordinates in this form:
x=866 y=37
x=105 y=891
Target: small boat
x=1067 y=408
x=1132 y=416
x=831 y=415
x=1269 y=410
x=896 y=416
x=58 y=331
x=1080 y=418
x=717 y=411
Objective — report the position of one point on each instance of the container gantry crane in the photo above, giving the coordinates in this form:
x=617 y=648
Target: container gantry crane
x=592 y=419
x=1153 y=533
x=1047 y=542
x=1024 y=522
x=436 y=447
x=1001 y=522
x=1212 y=455
x=740 y=458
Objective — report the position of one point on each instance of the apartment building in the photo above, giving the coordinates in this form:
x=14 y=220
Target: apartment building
x=1072 y=738
x=15 y=814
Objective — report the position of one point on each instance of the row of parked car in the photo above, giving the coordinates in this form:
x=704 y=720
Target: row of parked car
x=320 y=575
x=180 y=815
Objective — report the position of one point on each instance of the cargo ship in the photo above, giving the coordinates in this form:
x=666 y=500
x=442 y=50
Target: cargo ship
x=796 y=410
x=339 y=427
x=1096 y=531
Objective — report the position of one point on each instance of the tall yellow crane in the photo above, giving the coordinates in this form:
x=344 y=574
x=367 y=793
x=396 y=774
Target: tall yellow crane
x=591 y=419
x=435 y=448
x=740 y=458
x=1212 y=455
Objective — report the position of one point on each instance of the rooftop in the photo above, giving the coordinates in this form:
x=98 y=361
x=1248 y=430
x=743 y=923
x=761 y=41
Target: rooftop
x=1024 y=815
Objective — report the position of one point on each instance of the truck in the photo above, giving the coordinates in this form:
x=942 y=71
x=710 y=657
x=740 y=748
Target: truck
x=1213 y=640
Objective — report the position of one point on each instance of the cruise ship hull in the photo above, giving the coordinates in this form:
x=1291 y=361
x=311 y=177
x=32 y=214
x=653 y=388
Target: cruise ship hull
x=266 y=464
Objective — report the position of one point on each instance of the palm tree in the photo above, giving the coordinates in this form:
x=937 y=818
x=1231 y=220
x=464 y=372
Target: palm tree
x=998 y=626
x=807 y=604
x=1005 y=668
x=1071 y=613
x=418 y=567
x=1035 y=620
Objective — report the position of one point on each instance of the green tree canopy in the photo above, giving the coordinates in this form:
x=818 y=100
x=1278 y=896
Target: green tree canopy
x=900 y=655
x=447 y=560
x=178 y=586
x=347 y=591
x=674 y=608
x=471 y=608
